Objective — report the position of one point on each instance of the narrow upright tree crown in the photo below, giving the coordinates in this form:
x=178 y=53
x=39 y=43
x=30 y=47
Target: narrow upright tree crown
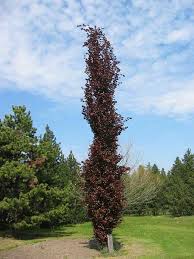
x=103 y=184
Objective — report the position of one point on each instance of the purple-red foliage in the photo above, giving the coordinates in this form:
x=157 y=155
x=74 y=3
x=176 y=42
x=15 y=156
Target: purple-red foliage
x=102 y=172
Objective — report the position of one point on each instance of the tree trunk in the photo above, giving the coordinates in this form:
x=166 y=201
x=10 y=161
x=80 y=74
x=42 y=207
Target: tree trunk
x=110 y=243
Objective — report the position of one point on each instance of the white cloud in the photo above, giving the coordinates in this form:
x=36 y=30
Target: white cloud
x=41 y=49
x=183 y=34
x=177 y=102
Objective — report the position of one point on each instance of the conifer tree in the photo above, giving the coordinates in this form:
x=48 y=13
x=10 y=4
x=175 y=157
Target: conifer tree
x=163 y=173
x=180 y=194
x=72 y=169
x=17 y=136
x=35 y=185
x=103 y=184
x=17 y=148
x=155 y=169
x=53 y=171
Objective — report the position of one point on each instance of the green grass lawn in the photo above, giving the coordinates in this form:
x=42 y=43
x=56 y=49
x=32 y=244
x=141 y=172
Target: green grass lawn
x=143 y=237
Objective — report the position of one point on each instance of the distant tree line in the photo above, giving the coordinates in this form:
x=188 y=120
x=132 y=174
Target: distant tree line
x=150 y=191
x=38 y=185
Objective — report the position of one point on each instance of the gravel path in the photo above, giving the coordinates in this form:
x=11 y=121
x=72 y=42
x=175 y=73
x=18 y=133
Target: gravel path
x=52 y=249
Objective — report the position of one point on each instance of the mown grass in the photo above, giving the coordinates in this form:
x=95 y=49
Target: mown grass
x=140 y=237
x=161 y=237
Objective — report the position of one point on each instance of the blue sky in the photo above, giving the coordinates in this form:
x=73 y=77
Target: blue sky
x=42 y=66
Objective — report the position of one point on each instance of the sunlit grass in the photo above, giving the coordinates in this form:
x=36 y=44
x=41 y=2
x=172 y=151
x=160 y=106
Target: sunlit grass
x=142 y=237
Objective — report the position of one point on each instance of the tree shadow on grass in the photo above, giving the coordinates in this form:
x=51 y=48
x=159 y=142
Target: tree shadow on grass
x=38 y=233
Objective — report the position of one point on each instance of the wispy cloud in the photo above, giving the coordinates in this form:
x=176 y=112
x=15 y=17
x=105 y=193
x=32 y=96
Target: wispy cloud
x=41 y=49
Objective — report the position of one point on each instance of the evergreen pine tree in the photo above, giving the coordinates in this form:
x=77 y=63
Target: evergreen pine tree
x=163 y=173
x=72 y=169
x=35 y=189
x=155 y=169
x=53 y=171
x=180 y=193
x=17 y=150
x=17 y=136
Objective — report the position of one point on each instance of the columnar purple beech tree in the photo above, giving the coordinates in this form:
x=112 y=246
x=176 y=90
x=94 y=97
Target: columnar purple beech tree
x=102 y=171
